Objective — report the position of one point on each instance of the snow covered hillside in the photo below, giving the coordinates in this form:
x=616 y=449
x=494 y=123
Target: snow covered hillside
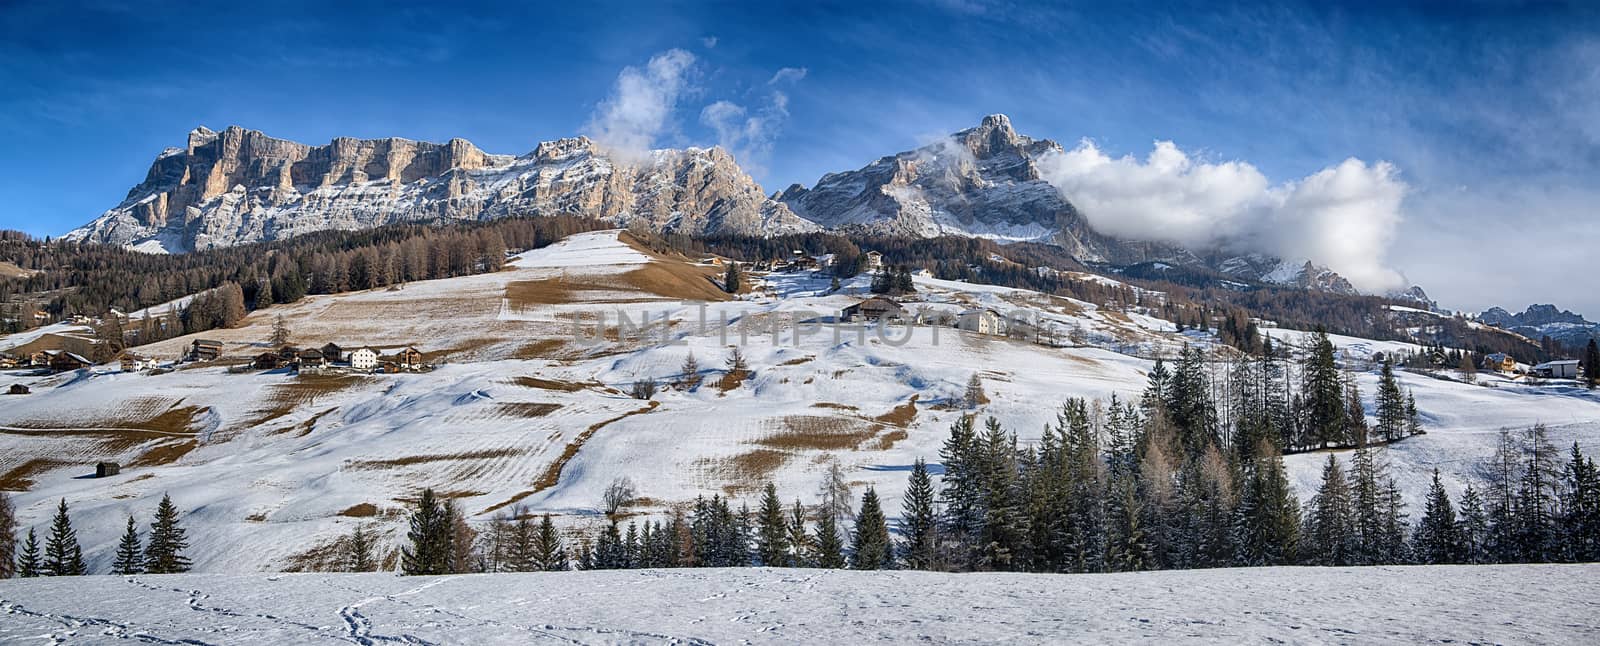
x=271 y=469
x=1437 y=604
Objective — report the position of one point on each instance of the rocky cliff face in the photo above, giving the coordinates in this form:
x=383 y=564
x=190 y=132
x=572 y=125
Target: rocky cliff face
x=240 y=186
x=981 y=181
x=1539 y=321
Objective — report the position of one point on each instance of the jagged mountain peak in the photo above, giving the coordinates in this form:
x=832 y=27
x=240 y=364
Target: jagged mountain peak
x=239 y=186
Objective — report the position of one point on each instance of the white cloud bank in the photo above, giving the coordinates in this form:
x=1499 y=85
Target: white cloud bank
x=641 y=104
x=1343 y=216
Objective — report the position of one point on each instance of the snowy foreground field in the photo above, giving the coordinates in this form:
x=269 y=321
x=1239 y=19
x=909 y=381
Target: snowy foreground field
x=1440 y=604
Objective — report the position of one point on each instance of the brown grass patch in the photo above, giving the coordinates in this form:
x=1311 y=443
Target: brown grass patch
x=526 y=409
x=165 y=453
x=902 y=415
x=363 y=510
x=20 y=477
x=410 y=460
x=552 y=474
x=744 y=473
x=543 y=349
x=732 y=380
x=819 y=433
x=285 y=398
x=835 y=406
x=548 y=384
x=887 y=440
x=796 y=361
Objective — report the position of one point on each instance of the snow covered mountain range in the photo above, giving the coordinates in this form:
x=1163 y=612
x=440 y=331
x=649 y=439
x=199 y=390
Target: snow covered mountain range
x=241 y=186
x=1539 y=321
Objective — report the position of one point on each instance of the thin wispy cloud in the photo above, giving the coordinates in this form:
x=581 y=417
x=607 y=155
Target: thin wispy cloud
x=640 y=107
x=787 y=75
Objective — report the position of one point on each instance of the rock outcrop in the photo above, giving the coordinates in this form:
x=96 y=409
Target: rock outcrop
x=240 y=186
x=981 y=181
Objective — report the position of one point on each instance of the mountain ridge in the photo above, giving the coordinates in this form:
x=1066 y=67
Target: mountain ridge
x=237 y=186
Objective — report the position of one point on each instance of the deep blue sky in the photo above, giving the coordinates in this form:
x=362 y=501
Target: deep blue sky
x=1490 y=111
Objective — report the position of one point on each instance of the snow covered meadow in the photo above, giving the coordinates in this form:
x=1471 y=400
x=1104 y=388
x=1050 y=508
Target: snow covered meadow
x=1526 y=604
x=271 y=470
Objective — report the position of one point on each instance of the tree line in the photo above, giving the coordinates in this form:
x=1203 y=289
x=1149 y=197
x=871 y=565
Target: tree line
x=90 y=279
x=161 y=552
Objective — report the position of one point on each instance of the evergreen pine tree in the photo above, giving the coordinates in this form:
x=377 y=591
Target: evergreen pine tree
x=1269 y=516
x=1438 y=536
x=62 y=556
x=29 y=563
x=163 y=553
x=549 y=554
x=1537 y=499
x=800 y=545
x=130 y=559
x=358 y=550
x=1391 y=406
x=973 y=397
x=1328 y=528
x=1580 y=508
x=429 y=535
x=871 y=549
x=1128 y=548
x=1472 y=528
x=963 y=507
x=919 y=520
x=1368 y=510
x=829 y=548
x=772 y=530
x=1413 y=420
x=1591 y=364
x=1323 y=389
x=733 y=278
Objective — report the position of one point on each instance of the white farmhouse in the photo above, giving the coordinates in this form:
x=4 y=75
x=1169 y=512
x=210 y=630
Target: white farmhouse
x=364 y=359
x=1567 y=369
x=982 y=321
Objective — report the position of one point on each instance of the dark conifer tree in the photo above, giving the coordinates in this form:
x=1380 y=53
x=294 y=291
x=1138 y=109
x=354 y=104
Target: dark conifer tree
x=1323 y=389
x=829 y=548
x=358 y=550
x=163 y=553
x=1328 y=529
x=130 y=557
x=800 y=544
x=1591 y=364
x=549 y=554
x=1537 y=499
x=919 y=520
x=961 y=491
x=1472 y=528
x=430 y=538
x=1269 y=516
x=772 y=530
x=1391 y=406
x=1580 y=508
x=1437 y=539
x=29 y=562
x=871 y=548
x=733 y=278
x=62 y=556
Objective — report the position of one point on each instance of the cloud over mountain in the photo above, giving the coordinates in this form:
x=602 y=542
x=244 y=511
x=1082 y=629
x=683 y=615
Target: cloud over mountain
x=1343 y=216
x=641 y=104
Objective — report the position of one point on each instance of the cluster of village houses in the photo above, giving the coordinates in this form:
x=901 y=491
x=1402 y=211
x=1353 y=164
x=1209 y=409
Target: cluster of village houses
x=328 y=359
x=1504 y=363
